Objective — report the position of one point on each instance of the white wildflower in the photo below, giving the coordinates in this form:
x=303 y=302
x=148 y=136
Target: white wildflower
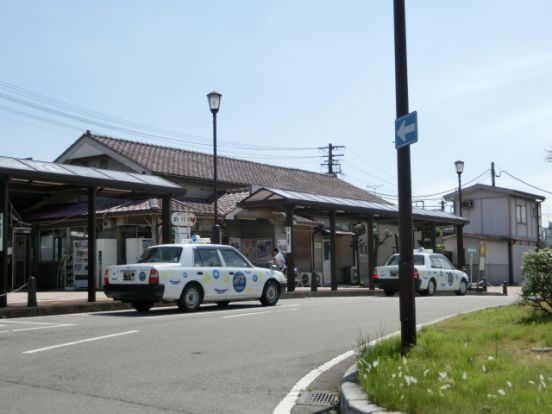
x=400 y=374
x=393 y=376
x=442 y=375
x=404 y=360
x=501 y=391
x=483 y=368
x=491 y=358
x=410 y=380
x=531 y=382
x=375 y=363
x=509 y=384
x=445 y=387
x=465 y=344
x=541 y=377
x=491 y=396
x=465 y=376
x=426 y=372
x=429 y=391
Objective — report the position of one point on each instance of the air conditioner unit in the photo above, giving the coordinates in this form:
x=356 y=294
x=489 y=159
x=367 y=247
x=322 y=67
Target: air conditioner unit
x=305 y=279
x=467 y=204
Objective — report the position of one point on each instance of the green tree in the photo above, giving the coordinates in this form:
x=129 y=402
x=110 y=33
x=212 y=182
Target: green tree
x=537 y=289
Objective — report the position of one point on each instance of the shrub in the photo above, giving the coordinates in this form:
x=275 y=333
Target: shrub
x=537 y=289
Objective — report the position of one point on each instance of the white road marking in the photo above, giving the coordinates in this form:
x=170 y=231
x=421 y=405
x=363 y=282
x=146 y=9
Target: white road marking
x=257 y=313
x=33 y=351
x=214 y=313
x=41 y=325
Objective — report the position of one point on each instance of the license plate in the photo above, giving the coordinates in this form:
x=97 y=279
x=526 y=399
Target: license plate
x=128 y=276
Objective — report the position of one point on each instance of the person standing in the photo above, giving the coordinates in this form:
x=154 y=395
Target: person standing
x=279 y=260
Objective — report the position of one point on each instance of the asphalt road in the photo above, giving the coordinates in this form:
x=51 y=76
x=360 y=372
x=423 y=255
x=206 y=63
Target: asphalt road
x=242 y=359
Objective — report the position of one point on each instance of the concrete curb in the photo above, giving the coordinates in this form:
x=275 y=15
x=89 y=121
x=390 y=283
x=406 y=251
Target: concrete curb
x=353 y=399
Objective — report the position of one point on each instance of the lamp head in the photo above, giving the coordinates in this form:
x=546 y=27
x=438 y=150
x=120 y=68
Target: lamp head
x=459 y=166
x=214 y=101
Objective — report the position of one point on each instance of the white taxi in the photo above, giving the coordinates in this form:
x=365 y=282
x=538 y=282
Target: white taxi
x=190 y=274
x=432 y=272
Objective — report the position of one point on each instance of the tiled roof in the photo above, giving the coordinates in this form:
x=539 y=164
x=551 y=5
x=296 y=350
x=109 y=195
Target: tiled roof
x=168 y=161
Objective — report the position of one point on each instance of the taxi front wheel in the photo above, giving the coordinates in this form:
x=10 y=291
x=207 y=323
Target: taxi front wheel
x=271 y=293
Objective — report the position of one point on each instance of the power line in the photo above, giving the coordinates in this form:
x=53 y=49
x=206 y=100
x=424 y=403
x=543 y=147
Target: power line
x=59 y=108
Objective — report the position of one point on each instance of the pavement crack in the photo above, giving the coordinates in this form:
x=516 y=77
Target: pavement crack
x=134 y=403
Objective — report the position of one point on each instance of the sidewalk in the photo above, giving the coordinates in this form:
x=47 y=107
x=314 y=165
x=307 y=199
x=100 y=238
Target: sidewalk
x=61 y=302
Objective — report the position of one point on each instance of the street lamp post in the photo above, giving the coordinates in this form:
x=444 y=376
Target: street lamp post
x=214 y=105
x=459 y=228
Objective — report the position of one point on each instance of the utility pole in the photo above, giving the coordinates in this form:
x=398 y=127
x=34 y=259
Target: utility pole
x=334 y=167
x=493 y=174
x=406 y=265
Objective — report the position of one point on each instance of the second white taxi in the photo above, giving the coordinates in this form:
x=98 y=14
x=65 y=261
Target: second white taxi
x=432 y=272
x=190 y=274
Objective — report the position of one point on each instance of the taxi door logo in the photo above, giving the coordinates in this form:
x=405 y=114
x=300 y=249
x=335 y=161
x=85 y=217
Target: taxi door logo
x=239 y=282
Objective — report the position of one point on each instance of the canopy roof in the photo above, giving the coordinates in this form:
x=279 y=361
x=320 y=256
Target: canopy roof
x=274 y=197
x=43 y=175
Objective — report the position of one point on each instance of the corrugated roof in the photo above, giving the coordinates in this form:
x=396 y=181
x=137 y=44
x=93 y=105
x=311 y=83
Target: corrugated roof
x=274 y=196
x=169 y=161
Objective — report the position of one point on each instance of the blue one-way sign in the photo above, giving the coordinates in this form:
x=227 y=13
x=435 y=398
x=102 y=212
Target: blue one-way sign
x=406 y=130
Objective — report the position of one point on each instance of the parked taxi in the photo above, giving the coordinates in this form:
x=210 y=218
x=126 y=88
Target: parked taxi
x=432 y=272
x=190 y=274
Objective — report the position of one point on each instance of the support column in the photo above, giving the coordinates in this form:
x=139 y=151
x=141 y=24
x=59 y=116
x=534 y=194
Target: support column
x=460 y=246
x=92 y=244
x=333 y=264
x=4 y=240
x=511 y=261
x=166 y=219
x=290 y=256
x=371 y=252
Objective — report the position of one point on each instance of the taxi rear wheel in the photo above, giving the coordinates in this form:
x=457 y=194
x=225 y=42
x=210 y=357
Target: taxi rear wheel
x=142 y=305
x=271 y=293
x=190 y=299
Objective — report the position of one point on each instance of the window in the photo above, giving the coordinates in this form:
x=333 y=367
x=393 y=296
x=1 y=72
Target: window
x=51 y=243
x=394 y=260
x=436 y=262
x=521 y=214
x=161 y=255
x=233 y=258
x=446 y=263
x=206 y=258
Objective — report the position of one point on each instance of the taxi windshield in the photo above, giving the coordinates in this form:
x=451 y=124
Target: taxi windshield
x=394 y=260
x=166 y=254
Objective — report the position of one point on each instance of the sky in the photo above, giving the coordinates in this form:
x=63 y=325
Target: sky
x=295 y=76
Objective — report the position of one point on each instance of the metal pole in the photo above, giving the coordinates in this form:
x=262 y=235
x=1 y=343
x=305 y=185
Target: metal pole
x=216 y=227
x=4 y=269
x=91 y=244
x=406 y=267
x=460 y=228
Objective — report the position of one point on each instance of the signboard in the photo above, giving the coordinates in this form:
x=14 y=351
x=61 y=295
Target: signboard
x=406 y=130
x=183 y=219
x=288 y=239
x=482 y=255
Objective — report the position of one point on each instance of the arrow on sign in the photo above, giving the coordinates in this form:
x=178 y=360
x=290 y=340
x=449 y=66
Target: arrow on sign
x=405 y=129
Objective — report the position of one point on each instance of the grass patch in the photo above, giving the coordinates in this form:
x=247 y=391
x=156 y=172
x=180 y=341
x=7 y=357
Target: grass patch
x=480 y=362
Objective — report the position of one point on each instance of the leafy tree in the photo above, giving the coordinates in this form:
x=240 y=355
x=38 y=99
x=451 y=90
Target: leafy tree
x=537 y=290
